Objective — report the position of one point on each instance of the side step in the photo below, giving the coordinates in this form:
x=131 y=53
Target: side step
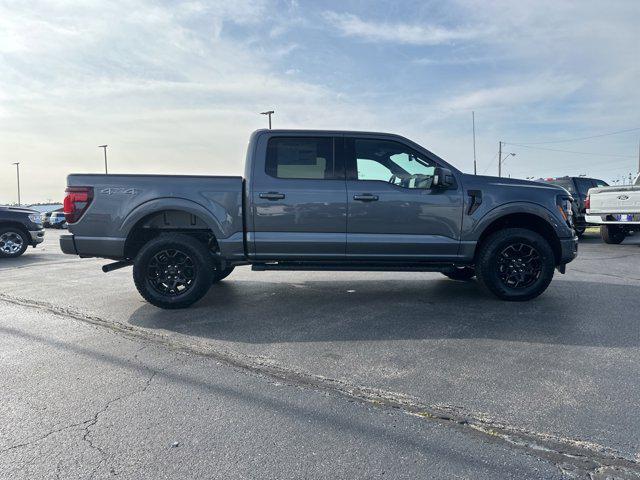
x=353 y=266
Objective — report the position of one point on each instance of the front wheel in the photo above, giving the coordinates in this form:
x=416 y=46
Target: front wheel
x=612 y=234
x=515 y=264
x=13 y=242
x=173 y=271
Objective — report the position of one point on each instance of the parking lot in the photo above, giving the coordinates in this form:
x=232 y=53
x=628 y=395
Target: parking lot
x=563 y=368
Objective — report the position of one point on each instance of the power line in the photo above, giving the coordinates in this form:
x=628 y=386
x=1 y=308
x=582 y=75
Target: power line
x=584 y=138
x=570 y=151
x=490 y=163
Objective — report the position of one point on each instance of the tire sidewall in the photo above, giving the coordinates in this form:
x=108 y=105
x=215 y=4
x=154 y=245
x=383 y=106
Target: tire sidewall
x=25 y=242
x=204 y=270
x=488 y=264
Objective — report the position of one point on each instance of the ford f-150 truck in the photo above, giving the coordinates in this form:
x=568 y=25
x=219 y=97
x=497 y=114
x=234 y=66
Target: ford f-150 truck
x=322 y=200
x=616 y=210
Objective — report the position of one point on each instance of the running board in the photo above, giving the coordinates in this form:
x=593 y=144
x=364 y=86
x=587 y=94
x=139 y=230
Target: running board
x=353 y=266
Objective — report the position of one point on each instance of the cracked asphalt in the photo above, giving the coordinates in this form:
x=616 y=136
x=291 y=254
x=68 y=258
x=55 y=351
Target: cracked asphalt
x=319 y=375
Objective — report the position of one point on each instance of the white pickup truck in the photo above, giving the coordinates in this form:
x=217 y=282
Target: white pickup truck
x=616 y=209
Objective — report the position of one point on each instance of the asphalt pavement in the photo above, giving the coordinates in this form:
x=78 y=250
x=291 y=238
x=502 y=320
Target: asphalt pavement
x=320 y=375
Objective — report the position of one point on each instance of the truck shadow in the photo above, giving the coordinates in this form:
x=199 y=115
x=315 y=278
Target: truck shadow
x=569 y=313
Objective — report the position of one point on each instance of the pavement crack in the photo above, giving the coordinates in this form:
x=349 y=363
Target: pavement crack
x=575 y=458
x=86 y=437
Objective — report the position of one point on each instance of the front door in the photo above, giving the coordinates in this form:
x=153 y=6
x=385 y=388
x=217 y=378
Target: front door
x=394 y=212
x=299 y=200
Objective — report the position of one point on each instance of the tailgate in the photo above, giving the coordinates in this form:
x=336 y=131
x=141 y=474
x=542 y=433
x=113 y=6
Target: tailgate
x=615 y=200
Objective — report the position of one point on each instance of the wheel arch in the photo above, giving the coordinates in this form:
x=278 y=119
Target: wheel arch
x=18 y=226
x=156 y=217
x=528 y=220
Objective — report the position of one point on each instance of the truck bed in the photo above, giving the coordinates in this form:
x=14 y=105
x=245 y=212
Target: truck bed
x=122 y=201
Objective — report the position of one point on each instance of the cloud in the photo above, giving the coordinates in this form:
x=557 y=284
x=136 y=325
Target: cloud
x=520 y=93
x=403 y=33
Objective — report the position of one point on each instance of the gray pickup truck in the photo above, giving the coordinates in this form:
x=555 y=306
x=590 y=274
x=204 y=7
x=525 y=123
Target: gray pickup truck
x=322 y=200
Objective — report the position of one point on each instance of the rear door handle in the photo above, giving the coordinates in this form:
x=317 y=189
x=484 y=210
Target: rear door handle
x=272 y=196
x=366 y=197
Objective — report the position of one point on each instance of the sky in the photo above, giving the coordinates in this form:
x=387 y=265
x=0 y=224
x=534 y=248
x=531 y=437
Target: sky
x=177 y=87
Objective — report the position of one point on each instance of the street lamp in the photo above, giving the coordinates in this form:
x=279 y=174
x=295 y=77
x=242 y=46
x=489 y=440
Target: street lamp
x=104 y=147
x=269 y=113
x=17 y=164
x=500 y=162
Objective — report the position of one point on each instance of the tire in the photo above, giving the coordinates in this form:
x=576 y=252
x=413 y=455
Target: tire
x=502 y=267
x=221 y=274
x=463 y=274
x=580 y=231
x=13 y=242
x=188 y=271
x=612 y=234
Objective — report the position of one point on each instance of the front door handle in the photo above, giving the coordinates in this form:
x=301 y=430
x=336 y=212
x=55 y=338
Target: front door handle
x=366 y=197
x=272 y=196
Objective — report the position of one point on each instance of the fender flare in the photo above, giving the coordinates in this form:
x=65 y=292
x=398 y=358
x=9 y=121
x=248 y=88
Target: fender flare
x=170 y=203
x=500 y=211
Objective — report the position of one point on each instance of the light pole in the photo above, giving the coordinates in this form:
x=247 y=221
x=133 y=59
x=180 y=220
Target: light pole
x=269 y=113
x=104 y=147
x=17 y=164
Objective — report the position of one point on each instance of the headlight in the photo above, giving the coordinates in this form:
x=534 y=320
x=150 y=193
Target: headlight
x=35 y=218
x=564 y=206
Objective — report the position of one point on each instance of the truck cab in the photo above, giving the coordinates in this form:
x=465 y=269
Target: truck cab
x=323 y=200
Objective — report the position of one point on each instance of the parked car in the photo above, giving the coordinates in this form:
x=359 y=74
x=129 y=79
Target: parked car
x=44 y=217
x=322 y=200
x=19 y=228
x=57 y=220
x=616 y=210
x=578 y=188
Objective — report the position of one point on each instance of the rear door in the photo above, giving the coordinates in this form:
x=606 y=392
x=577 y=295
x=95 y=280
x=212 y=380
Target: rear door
x=299 y=199
x=393 y=211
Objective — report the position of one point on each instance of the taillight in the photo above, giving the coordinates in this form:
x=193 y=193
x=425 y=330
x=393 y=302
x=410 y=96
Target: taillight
x=587 y=202
x=76 y=201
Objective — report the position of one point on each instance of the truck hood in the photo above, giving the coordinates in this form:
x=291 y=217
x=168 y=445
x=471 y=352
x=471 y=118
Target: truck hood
x=4 y=208
x=501 y=183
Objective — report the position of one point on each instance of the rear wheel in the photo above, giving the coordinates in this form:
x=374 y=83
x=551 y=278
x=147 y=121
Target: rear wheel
x=580 y=231
x=13 y=242
x=173 y=271
x=612 y=234
x=515 y=264
x=463 y=274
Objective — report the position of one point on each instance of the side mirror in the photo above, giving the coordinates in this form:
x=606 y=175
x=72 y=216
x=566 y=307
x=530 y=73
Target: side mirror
x=443 y=178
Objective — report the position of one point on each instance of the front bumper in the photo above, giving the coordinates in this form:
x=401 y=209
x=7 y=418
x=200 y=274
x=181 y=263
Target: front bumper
x=568 y=249
x=37 y=236
x=601 y=219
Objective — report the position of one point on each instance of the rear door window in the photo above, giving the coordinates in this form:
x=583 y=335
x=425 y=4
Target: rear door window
x=309 y=158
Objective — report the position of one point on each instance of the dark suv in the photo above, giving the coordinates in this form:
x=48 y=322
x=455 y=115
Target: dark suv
x=19 y=228
x=578 y=188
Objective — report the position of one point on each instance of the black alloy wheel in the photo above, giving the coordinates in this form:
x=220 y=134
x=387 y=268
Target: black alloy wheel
x=519 y=265
x=515 y=264
x=171 y=272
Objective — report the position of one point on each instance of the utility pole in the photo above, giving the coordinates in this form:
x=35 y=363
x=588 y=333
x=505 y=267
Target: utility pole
x=473 y=121
x=500 y=159
x=104 y=147
x=17 y=164
x=269 y=113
